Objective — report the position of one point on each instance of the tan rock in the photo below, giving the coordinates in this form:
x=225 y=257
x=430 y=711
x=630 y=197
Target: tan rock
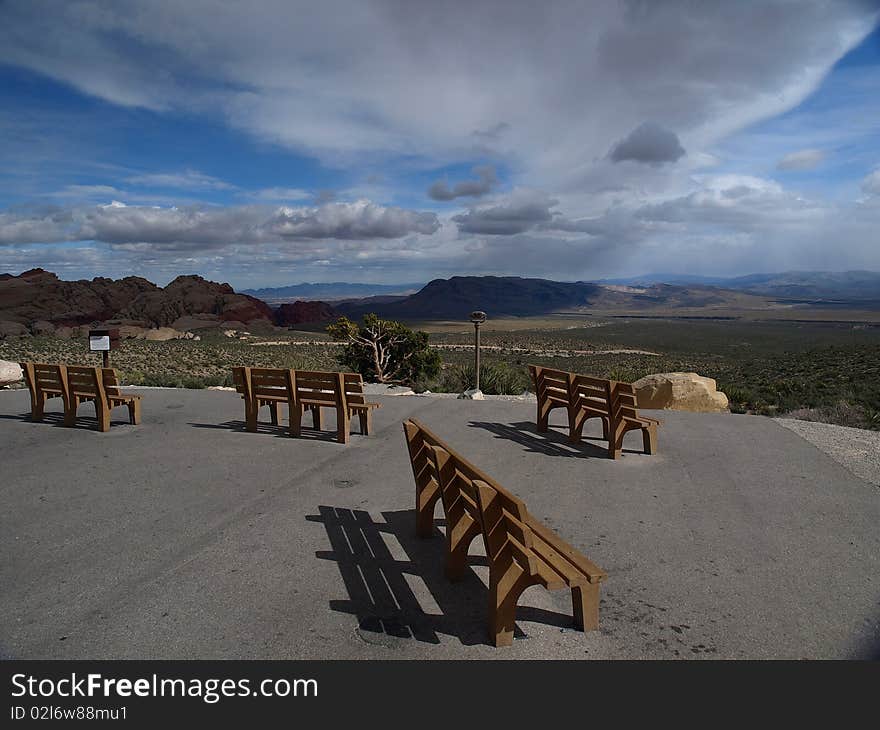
x=680 y=392
x=162 y=334
x=10 y=372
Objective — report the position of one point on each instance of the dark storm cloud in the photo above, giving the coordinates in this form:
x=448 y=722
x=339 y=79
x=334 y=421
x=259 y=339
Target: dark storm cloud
x=485 y=182
x=650 y=144
x=521 y=212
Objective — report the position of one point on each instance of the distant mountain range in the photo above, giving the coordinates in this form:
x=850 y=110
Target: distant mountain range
x=329 y=292
x=515 y=296
x=807 y=285
x=38 y=302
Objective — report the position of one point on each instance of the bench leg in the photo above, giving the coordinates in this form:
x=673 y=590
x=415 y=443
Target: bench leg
x=102 y=413
x=503 y=596
x=273 y=412
x=70 y=411
x=615 y=441
x=250 y=414
x=605 y=427
x=296 y=416
x=457 y=547
x=426 y=502
x=364 y=416
x=585 y=604
x=576 y=427
x=134 y=412
x=649 y=439
x=343 y=425
x=317 y=420
x=542 y=417
x=38 y=407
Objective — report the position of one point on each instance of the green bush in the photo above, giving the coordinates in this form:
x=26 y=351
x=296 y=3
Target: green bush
x=384 y=350
x=495 y=379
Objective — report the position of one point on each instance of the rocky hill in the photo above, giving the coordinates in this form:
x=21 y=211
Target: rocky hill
x=513 y=296
x=304 y=313
x=456 y=297
x=37 y=301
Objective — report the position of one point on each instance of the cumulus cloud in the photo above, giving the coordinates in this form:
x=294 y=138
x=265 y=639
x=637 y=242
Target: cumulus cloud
x=649 y=143
x=801 y=160
x=522 y=211
x=361 y=219
x=485 y=182
x=202 y=228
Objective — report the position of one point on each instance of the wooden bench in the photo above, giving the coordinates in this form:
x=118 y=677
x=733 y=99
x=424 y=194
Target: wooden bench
x=521 y=551
x=551 y=390
x=304 y=390
x=589 y=397
x=44 y=382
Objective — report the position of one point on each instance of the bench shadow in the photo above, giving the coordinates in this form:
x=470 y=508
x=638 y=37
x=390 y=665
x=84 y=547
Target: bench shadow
x=89 y=423
x=551 y=443
x=280 y=431
x=378 y=585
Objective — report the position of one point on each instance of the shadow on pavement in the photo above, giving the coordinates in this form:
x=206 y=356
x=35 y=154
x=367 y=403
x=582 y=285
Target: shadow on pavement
x=380 y=594
x=551 y=443
x=307 y=434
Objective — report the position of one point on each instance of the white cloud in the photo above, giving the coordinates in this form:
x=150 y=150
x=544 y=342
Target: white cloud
x=801 y=160
x=871 y=183
x=203 y=228
x=185 y=180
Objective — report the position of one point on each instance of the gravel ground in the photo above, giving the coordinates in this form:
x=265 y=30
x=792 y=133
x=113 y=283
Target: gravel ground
x=855 y=448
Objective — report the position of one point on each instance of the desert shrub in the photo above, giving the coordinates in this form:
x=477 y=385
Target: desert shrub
x=495 y=379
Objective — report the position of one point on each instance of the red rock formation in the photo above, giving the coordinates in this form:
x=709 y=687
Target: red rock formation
x=304 y=312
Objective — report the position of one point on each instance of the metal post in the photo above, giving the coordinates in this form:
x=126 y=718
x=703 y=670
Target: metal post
x=477 y=318
x=477 y=355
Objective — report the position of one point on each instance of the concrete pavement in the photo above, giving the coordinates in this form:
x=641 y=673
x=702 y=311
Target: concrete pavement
x=187 y=537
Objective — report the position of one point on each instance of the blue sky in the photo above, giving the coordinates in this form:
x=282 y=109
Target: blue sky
x=385 y=142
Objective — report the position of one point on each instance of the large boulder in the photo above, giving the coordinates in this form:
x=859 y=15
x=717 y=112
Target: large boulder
x=162 y=334
x=680 y=392
x=10 y=372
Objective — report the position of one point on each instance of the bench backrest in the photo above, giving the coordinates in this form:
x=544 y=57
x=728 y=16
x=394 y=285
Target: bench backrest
x=623 y=402
x=459 y=502
x=591 y=394
x=240 y=378
x=110 y=379
x=49 y=378
x=271 y=383
x=85 y=381
x=468 y=495
x=354 y=388
x=320 y=387
x=549 y=383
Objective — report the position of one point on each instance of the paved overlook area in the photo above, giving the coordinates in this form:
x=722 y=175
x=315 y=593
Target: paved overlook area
x=187 y=537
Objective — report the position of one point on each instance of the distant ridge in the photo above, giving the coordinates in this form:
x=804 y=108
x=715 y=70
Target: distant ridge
x=832 y=285
x=333 y=291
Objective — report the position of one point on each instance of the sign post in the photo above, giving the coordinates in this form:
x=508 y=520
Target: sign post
x=104 y=340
